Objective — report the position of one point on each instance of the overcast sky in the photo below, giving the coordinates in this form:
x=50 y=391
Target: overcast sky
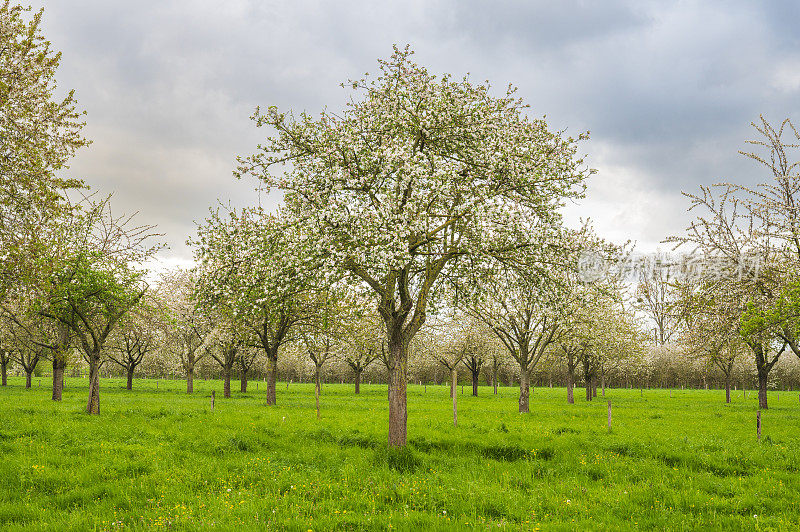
x=667 y=89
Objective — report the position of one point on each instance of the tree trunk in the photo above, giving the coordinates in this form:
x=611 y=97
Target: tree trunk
x=398 y=410
x=358 y=381
x=727 y=389
x=454 y=380
x=272 y=374
x=226 y=392
x=93 y=405
x=243 y=381
x=317 y=387
x=524 y=391
x=570 y=386
x=130 y=378
x=452 y=385
x=190 y=379
x=762 y=391
x=494 y=379
x=5 y=373
x=475 y=375
x=28 y=375
x=588 y=378
x=594 y=386
x=58 y=376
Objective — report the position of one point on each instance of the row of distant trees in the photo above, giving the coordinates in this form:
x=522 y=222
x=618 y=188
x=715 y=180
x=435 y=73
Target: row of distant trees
x=147 y=349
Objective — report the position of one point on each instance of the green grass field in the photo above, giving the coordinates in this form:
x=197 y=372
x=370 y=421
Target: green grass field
x=163 y=459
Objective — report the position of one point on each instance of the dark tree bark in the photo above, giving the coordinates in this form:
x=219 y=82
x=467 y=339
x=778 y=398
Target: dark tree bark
x=474 y=364
x=526 y=341
x=762 y=390
x=726 y=366
x=272 y=333
x=359 y=363
x=246 y=359
x=727 y=388
x=524 y=389
x=5 y=359
x=134 y=345
x=28 y=358
x=763 y=366
x=571 y=363
x=226 y=390
x=93 y=405
x=272 y=375
x=587 y=375
x=190 y=379
x=398 y=376
x=59 y=365
x=317 y=384
x=226 y=361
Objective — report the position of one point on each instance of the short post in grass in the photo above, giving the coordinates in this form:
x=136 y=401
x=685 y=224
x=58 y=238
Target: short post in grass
x=609 y=416
x=758 y=425
x=213 y=396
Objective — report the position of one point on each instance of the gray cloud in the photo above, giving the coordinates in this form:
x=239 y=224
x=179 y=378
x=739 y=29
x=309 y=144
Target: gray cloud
x=668 y=89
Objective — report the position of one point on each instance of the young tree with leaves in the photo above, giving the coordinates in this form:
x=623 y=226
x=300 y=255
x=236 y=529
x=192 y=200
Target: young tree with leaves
x=364 y=339
x=656 y=298
x=251 y=262
x=183 y=324
x=226 y=343
x=741 y=272
x=709 y=330
x=93 y=281
x=522 y=307
x=245 y=360
x=39 y=133
x=136 y=337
